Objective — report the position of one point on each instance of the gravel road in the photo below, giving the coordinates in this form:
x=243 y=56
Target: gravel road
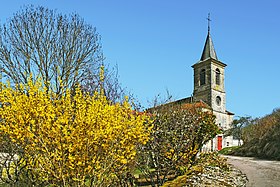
x=261 y=173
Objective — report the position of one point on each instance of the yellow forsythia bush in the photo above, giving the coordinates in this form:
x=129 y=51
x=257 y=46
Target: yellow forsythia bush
x=75 y=139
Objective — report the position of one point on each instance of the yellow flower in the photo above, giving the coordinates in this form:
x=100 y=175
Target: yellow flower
x=71 y=136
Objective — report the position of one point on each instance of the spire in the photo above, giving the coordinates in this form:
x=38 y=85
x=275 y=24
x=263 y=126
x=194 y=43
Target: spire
x=208 y=50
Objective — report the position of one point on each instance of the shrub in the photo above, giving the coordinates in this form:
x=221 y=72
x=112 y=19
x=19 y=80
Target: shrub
x=177 y=136
x=70 y=139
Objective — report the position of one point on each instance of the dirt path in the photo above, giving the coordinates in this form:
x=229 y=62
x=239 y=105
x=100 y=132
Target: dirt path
x=261 y=173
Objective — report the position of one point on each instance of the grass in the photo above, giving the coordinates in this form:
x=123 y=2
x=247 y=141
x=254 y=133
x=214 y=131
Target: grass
x=228 y=150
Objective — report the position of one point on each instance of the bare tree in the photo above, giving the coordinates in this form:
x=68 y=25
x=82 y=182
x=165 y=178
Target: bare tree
x=110 y=84
x=237 y=127
x=178 y=133
x=62 y=50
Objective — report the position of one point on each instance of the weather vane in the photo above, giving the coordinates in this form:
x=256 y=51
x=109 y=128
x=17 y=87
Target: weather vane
x=208 y=22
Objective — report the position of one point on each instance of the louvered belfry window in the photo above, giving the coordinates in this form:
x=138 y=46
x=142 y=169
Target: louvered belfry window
x=202 y=77
x=218 y=77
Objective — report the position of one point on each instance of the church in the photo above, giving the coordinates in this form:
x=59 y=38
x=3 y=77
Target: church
x=209 y=88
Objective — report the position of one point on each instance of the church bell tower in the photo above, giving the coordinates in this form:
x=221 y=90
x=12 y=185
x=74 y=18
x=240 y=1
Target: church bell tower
x=209 y=87
x=209 y=76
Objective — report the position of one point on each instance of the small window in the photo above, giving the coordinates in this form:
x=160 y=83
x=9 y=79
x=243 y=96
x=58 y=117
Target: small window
x=202 y=77
x=218 y=77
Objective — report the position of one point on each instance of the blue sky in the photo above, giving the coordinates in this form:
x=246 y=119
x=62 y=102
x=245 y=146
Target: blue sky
x=155 y=42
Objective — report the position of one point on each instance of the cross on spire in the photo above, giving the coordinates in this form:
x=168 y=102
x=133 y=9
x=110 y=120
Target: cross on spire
x=208 y=22
x=208 y=50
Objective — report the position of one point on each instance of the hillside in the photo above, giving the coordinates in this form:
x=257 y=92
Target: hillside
x=262 y=137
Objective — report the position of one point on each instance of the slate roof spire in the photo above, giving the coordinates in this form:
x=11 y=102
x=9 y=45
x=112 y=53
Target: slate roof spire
x=208 y=50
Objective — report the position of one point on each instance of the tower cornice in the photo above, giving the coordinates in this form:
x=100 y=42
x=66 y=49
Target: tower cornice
x=209 y=60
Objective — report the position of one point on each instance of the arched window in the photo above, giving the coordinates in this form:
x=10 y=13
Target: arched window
x=218 y=77
x=202 y=77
